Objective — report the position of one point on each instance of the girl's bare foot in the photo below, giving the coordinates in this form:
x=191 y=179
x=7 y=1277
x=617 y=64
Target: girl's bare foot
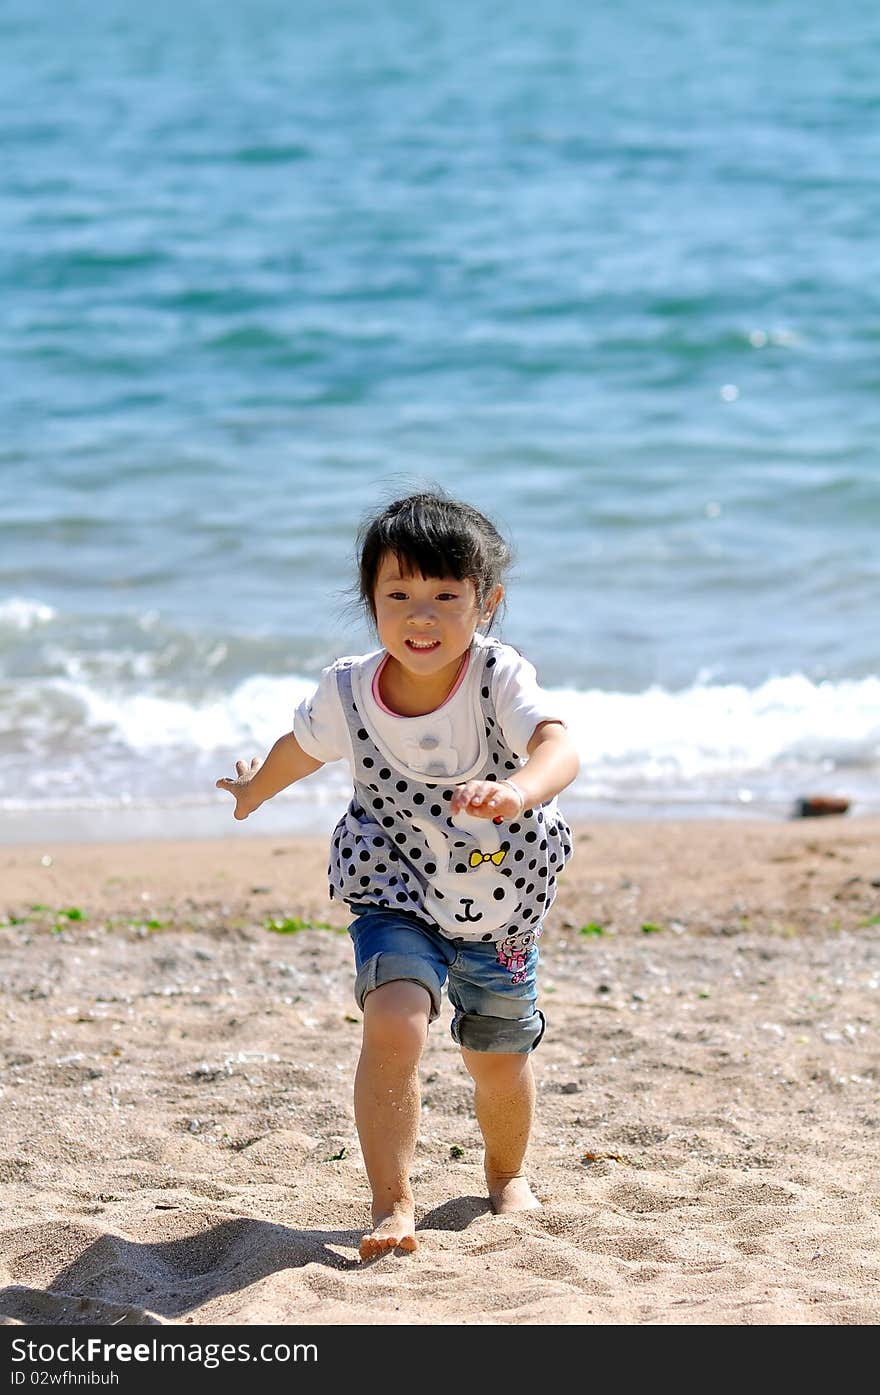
x=395 y=1231
x=509 y=1194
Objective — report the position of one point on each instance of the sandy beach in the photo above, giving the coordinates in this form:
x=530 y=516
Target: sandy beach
x=179 y=1040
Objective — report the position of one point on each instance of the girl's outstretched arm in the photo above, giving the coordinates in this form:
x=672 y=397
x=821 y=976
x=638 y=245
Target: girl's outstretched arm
x=286 y=763
x=552 y=764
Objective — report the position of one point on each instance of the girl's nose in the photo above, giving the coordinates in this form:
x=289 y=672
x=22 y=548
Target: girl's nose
x=421 y=615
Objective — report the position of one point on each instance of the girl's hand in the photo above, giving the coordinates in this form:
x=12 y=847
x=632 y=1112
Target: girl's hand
x=240 y=788
x=487 y=799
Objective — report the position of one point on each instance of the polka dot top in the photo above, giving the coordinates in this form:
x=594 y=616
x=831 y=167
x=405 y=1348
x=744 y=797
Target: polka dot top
x=397 y=846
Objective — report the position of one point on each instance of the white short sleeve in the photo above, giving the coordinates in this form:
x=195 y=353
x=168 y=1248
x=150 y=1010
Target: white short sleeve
x=319 y=722
x=520 y=703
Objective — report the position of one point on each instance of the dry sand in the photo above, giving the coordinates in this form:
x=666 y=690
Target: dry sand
x=178 y=1141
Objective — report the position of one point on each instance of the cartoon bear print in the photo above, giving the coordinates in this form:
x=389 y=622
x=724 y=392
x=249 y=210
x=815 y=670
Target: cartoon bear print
x=475 y=903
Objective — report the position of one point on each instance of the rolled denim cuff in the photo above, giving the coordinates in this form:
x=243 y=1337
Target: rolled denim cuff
x=391 y=968
x=511 y=1035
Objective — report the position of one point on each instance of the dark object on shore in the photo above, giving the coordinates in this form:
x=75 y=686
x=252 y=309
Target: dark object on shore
x=818 y=805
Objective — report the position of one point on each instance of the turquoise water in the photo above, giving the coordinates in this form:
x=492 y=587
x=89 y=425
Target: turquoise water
x=611 y=276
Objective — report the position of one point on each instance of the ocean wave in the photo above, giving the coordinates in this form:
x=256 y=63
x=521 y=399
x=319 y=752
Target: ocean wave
x=256 y=711
x=726 y=729
x=708 y=743
x=19 y=613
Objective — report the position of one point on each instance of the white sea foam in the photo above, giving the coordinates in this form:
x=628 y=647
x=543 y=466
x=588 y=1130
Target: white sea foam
x=71 y=739
x=715 y=730
x=705 y=729
x=258 y=710
x=19 y=613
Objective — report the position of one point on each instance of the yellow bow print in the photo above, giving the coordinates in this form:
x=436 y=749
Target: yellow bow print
x=497 y=857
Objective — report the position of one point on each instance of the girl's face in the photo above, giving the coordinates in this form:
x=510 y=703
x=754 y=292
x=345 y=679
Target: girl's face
x=426 y=623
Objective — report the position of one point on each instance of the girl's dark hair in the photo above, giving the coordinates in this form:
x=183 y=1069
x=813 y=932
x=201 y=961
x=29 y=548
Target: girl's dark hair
x=432 y=534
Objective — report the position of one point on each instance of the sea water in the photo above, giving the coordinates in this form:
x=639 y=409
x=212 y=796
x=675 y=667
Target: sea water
x=608 y=272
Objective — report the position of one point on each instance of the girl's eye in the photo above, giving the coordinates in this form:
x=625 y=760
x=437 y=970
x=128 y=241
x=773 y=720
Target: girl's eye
x=441 y=596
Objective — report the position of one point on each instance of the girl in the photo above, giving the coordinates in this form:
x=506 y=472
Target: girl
x=449 y=850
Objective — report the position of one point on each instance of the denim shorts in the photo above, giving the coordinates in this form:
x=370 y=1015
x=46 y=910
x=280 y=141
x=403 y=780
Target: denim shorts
x=492 y=1013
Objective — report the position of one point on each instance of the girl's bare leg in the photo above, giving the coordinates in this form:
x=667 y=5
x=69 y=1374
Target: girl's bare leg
x=387 y=1108
x=504 y=1100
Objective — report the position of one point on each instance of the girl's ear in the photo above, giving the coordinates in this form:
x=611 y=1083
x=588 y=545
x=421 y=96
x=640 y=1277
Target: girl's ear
x=492 y=602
